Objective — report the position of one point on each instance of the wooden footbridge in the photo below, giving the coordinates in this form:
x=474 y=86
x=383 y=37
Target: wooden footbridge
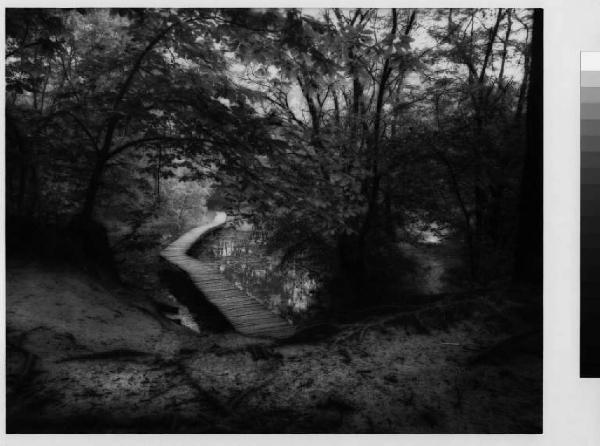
x=247 y=315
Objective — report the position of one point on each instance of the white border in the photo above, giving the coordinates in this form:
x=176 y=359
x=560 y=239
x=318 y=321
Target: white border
x=590 y=61
x=571 y=404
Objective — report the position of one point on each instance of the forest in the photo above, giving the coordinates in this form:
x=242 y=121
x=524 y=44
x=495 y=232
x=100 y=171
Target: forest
x=380 y=171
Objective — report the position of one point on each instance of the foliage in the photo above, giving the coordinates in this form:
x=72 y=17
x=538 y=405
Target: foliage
x=375 y=131
x=336 y=128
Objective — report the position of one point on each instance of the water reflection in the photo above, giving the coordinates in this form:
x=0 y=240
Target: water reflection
x=242 y=257
x=433 y=261
x=434 y=252
x=290 y=289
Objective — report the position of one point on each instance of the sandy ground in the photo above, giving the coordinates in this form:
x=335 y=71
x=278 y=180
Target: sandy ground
x=85 y=358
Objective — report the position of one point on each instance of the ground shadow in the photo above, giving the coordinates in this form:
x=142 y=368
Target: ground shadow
x=206 y=315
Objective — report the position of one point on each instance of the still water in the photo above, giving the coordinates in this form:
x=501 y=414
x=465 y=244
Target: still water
x=241 y=255
x=290 y=290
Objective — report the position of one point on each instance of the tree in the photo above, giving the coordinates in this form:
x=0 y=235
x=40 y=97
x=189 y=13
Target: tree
x=321 y=173
x=529 y=246
x=337 y=128
x=140 y=78
x=353 y=129
x=488 y=92
x=33 y=38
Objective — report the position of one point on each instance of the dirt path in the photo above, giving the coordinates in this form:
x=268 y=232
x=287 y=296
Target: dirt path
x=82 y=358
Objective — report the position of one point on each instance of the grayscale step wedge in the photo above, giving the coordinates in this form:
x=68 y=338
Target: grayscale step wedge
x=247 y=315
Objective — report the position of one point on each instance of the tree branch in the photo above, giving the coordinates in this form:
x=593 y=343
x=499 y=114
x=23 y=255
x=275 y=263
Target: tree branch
x=138 y=63
x=490 y=45
x=136 y=142
x=85 y=129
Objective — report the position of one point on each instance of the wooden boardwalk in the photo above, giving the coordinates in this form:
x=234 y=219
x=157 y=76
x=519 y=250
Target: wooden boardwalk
x=247 y=315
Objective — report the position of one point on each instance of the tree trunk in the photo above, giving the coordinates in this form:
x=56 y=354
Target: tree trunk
x=389 y=220
x=524 y=84
x=374 y=155
x=158 y=169
x=35 y=191
x=351 y=273
x=529 y=249
x=505 y=49
x=113 y=120
x=92 y=189
x=27 y=170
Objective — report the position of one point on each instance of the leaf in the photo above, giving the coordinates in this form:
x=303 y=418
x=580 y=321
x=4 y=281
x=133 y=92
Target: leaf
x=263 y=160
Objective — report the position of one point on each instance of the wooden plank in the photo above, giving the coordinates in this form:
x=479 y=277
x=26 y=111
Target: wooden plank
x=247 y=315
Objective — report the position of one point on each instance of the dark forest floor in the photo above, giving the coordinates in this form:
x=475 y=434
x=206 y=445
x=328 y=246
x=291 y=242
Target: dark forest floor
x=85 y=358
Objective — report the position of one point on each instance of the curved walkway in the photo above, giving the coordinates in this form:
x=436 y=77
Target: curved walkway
x=247 y=315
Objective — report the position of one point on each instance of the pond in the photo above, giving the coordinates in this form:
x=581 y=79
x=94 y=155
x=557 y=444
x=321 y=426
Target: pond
x=434 y=263
x=242 y=256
